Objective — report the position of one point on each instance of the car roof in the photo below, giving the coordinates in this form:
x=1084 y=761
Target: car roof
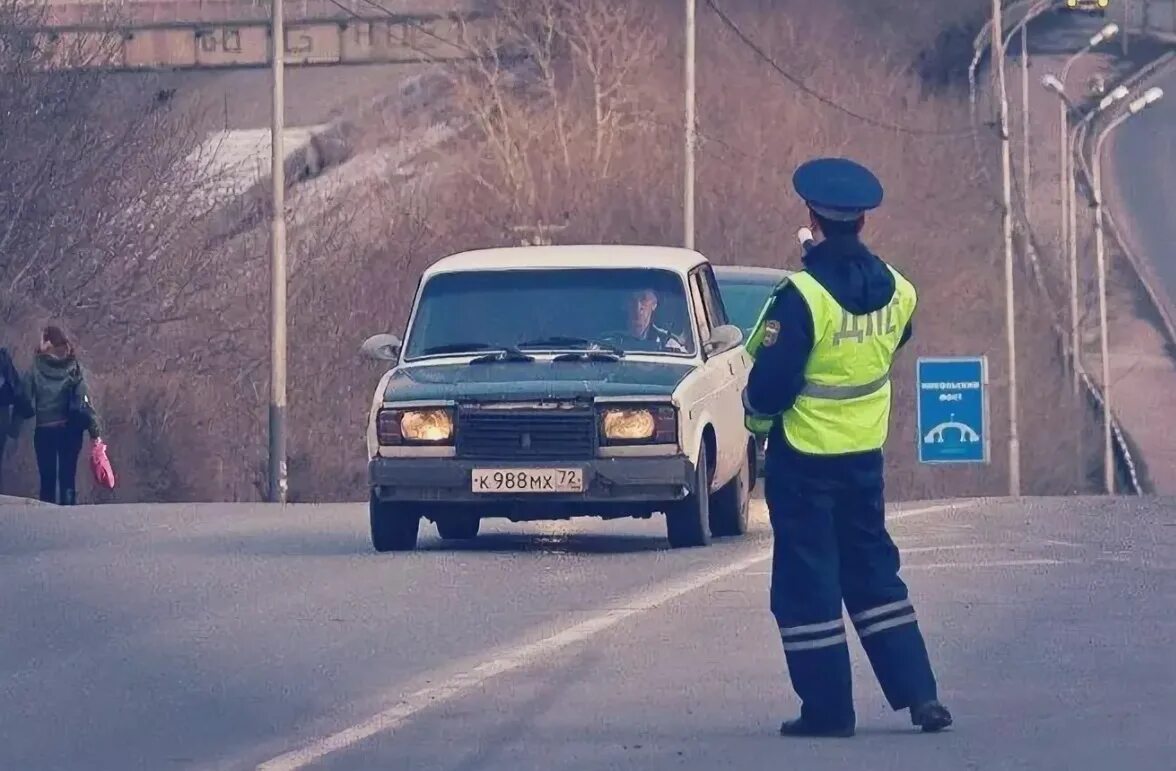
x=569 y=256
x=752 y=273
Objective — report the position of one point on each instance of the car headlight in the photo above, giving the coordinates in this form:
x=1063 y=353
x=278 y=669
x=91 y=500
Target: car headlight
x=426 y=426
x=639 y=425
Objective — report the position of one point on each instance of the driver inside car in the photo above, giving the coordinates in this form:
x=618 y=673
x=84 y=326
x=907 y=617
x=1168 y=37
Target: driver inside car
x=640 y=309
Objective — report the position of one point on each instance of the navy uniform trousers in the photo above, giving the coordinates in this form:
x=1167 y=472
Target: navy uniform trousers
x=831 y=546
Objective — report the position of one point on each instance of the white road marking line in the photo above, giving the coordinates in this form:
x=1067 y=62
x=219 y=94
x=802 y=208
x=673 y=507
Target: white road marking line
x=512 y=658
x=988 y=564
x=509 y=660
x=905 y=513
x=962 y=546
x=965 y=565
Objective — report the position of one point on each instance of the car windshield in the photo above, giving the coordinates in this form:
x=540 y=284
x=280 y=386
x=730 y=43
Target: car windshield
x=623 y=309
x=744 y=301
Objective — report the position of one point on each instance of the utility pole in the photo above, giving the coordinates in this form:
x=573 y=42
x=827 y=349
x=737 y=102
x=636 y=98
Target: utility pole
x=278 y=485
x=688 y=187
x=1104 y=350
x=1027 y=169
x=998 y=57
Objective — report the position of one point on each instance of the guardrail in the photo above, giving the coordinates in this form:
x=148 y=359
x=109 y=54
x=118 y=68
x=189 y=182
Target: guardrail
x=1021 y=13
x=1142 y=270
x=1082 y=149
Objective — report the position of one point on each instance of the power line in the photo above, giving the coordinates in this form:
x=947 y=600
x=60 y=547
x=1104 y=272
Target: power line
x=800 y=84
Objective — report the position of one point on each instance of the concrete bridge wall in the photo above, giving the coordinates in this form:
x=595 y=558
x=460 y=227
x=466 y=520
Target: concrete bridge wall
x=207 y=34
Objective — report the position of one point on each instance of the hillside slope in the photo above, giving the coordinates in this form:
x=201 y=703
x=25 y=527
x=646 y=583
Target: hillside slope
x=588 y=127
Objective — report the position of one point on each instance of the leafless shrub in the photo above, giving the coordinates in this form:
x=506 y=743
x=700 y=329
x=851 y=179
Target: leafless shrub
x=572 y=110
x=554 y=100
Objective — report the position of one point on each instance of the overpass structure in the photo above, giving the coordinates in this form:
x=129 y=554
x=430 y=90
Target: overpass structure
x=231 y=34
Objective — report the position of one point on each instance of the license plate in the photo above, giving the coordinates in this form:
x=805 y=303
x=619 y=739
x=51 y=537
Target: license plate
x=527 y=480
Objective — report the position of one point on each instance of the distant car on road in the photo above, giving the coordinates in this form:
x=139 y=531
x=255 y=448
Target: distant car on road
x=539 y=383
x=1097 y=7
x=745 y=290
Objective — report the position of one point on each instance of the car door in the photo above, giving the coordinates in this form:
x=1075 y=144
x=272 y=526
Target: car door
x=696 y=393
x=727 y=374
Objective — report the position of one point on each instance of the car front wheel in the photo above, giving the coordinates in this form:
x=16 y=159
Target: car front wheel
x=393 y=528
x=731 y=505
x=688 y=520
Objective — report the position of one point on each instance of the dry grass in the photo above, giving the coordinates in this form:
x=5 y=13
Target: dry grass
x=591 y=130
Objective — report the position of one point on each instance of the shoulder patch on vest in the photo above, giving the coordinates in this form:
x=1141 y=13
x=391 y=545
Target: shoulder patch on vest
x=771 y=332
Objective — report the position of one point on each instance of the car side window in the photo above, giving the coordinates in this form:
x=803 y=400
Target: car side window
x=713 y=299
x=696 y=299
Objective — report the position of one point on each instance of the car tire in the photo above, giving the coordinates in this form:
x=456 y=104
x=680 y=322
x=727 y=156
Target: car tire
x=687 y=520
x=458 y=527
x=730 y=507
x=393 y=528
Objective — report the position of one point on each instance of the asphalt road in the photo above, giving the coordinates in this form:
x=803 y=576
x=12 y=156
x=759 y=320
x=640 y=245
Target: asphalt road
x=1143 y=155
x=233 y=637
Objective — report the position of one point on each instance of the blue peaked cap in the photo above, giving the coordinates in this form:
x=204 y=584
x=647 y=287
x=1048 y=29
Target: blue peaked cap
x=837 y=188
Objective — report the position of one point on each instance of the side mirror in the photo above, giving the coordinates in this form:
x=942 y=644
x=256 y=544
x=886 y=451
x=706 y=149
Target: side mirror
x=381 y=347
x=723 y=339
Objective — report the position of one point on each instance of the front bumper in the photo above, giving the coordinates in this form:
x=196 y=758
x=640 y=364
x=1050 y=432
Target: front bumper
x=612 y=486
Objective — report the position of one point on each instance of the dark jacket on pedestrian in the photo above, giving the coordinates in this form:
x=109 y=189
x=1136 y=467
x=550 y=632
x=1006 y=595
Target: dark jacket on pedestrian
x=50 y=385
x=10 y=391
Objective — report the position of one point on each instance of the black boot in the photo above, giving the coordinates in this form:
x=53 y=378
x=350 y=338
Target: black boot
x=801 y=727
x=931 y=716
x=69 y=497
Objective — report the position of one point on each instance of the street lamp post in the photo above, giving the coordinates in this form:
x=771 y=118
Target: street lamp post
x=1023 y=29
x=998 y=57
x=1057 y=84
x=1149 y=98
x=1025 y=167
x=1114 y=97
x=278 y=484
x=688 y=186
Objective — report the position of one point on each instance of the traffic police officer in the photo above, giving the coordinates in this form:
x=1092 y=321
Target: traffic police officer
x=821 y=375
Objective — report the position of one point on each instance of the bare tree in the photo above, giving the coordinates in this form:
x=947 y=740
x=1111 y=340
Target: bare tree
x=552 y=96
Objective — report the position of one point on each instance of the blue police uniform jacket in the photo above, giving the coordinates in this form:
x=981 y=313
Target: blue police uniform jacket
x=861 y=283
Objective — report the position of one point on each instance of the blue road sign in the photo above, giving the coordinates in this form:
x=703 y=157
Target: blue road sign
x=953 y=409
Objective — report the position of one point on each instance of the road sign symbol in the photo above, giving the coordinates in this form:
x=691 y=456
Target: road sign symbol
x=952 y=409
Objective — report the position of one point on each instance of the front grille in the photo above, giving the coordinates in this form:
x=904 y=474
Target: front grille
x=523 y=434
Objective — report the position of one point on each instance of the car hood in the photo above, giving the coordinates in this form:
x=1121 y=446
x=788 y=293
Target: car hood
x=538 y=379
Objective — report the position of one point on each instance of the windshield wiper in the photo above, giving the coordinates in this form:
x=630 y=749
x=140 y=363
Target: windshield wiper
x=455 y=348
x=506 y=353
x=588 y=356
x=573 y=342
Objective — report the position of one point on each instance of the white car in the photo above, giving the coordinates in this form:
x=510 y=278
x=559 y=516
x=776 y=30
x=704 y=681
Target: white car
x=525 y=389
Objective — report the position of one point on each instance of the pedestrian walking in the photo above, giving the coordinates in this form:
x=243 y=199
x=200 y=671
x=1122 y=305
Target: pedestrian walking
x=821 y=376
x=59 y=392
x=13 y=407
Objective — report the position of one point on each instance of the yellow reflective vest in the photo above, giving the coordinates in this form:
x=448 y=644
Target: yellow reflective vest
x=844 y=406
x=760 y=427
